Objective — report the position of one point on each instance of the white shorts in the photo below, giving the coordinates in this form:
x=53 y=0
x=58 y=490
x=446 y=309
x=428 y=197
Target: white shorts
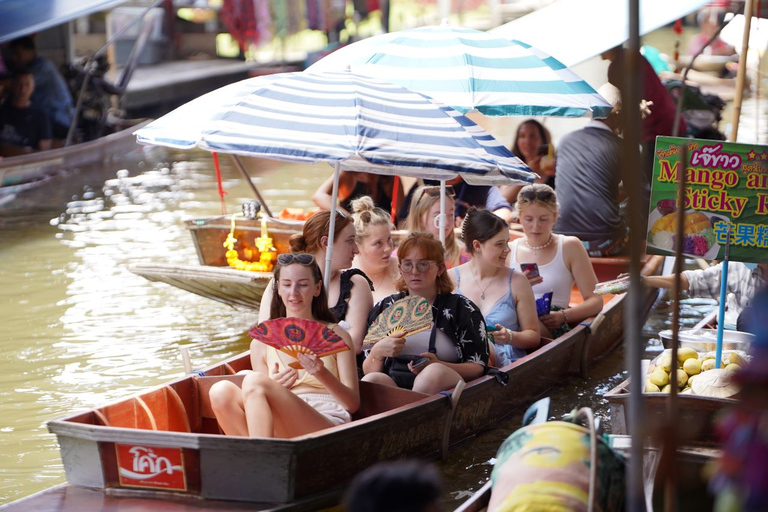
x=328 y=406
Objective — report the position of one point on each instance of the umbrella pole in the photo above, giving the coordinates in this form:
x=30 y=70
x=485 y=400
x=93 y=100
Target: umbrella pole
x=740 y=76
x=331 y=227
x=723 y=293
x=441 y=219
x=247 y=177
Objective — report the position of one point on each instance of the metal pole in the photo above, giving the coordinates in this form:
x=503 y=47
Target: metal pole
x=441 y=219
x=740 y=77
x=633 y=311
x=241 y=168
x=723 y=294
x=331 y=226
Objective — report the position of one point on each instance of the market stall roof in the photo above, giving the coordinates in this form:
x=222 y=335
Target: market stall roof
x=24 y=17
x=573 y=31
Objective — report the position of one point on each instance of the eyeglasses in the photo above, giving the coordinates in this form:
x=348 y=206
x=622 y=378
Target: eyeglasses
x=434 y=191
x=421 y=266
x=302 y=258
x=542 y=195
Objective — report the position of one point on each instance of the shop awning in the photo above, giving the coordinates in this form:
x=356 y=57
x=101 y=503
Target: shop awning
x=573 y=31
x=24 y=17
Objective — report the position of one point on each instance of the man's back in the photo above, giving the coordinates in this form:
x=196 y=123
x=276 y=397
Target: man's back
x=587 y=178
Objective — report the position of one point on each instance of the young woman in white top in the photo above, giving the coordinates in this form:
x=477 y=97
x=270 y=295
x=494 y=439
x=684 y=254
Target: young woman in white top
x=373 y=234
x=561 y=261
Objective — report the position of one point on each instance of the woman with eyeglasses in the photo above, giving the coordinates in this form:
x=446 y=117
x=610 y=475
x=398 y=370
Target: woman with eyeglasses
x=349 y=293
x=424 y=216
x=456 y=348
x=533 y=145
x=373 y=233
x=279 y=401
x=503 y=295
x=561 y=260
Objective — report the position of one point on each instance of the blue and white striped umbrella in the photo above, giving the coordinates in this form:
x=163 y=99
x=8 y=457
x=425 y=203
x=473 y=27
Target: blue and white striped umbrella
x=471 y=70
x=361 y=123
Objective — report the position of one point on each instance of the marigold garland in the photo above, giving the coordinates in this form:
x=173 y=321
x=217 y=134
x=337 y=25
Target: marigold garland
x=267 y=252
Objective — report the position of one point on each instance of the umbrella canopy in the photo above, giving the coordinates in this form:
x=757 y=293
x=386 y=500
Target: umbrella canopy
x=471 y=71
x=567 y=28
x=360 y=123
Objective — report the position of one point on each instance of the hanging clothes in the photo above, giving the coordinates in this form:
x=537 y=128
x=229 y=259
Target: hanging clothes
x=240 y=19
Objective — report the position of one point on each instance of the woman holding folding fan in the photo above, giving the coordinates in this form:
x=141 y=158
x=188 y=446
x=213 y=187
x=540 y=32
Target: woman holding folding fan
x=349 y=292
x=436 y=359
x=277 y=400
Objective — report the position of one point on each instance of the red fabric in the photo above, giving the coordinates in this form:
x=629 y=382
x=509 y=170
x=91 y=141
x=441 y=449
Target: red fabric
x=240 y=19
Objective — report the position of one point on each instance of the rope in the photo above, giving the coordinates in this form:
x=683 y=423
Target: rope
x=222 y=192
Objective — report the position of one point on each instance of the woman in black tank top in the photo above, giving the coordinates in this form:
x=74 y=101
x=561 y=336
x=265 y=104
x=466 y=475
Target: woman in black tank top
x=349 y=292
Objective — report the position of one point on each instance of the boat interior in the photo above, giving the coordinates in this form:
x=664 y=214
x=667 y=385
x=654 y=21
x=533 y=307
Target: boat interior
x=184 y=406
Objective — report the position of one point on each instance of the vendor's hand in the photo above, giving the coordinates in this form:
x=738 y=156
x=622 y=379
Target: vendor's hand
x=553 y=320
x=285 y=378
x=311 y=363
x=429 y=355
x=533 y=280
x=390 y=346
x=503 y=336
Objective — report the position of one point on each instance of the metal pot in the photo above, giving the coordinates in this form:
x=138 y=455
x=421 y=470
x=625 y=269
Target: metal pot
x=705 y=340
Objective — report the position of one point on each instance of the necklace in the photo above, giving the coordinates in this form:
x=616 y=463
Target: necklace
x=536 y=248
x=383 y=274
x=482 y=289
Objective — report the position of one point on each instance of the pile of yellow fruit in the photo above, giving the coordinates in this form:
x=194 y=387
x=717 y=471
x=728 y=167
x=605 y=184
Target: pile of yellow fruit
x=690 y=364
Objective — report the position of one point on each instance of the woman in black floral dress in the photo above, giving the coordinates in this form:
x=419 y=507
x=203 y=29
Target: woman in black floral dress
x=457 y=349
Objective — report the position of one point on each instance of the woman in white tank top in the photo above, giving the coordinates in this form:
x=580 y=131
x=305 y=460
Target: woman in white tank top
x=561 y=261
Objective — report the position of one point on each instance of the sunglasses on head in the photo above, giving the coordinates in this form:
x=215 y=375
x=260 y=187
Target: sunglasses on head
x=434 y=191
x=302 y=258
x=541 y=195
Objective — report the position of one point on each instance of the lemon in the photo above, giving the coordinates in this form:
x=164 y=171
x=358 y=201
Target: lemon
x=692 y=366
x=690 y=380
x=733 y=367
x=682 y=378
x=685 y=353
x=666 y=389
x=659 y=377
x=650 y=387
x=666 y=362
x=707 y=364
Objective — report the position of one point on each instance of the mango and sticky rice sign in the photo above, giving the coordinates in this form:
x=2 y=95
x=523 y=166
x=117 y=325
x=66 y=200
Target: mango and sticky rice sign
x=726 y=183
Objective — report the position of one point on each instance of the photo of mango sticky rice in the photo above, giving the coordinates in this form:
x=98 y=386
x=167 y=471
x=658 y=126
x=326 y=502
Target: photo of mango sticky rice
x=699 y=238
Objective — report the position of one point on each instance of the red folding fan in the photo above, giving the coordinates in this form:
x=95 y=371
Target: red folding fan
x=298 y=336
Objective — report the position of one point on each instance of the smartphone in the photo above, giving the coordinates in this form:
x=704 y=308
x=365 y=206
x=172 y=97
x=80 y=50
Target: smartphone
x=491 y=327
x=544 y=150
x=420 y=362
x=532 y=268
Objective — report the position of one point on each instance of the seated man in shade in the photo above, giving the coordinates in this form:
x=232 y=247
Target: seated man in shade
x=23 y=127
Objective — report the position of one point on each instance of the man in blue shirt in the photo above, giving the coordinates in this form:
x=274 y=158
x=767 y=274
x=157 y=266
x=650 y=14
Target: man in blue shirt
x=51 y=92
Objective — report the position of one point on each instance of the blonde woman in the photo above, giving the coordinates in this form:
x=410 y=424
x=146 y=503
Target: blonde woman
x=373 y=234
x=561 y=260
x=423 y=216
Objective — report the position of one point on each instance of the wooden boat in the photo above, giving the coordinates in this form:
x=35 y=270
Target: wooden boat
x=23 y=172
x=102 y=448
x=213 y=279
x=694 y=414
x=167 y=442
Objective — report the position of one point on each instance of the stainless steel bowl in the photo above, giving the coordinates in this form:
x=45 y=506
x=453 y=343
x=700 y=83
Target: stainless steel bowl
x=705 y=340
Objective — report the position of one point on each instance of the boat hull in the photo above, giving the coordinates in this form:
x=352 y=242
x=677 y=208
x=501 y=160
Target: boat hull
x=167 y=441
